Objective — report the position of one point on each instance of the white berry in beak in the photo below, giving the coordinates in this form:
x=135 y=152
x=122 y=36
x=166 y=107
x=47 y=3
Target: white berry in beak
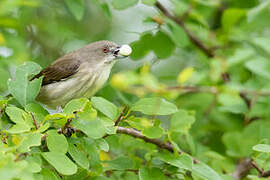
x=125 y=50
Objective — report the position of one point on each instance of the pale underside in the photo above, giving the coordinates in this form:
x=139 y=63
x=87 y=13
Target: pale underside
x=85 y=83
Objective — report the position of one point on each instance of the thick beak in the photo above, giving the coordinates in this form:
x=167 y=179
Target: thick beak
x=122 y=51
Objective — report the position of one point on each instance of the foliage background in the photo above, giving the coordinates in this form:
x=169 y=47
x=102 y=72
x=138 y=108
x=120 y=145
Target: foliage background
x=206 y=60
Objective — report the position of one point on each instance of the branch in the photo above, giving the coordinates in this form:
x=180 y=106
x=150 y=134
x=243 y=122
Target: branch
x=138 y=134
x=261 y=172
x=214 y=90
x=242 y=169
x=121 y=116
x=210 y=52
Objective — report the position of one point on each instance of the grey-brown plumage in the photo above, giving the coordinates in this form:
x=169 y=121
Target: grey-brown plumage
x=61 y=69
x=78 y=74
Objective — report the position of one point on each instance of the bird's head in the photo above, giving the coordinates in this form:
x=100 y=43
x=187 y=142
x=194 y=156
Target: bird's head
x=106 y=51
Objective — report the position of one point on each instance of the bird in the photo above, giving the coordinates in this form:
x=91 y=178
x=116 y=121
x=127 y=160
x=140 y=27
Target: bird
x=80 y=73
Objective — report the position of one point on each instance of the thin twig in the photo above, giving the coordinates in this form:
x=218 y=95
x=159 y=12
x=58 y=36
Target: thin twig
x=136 y=171
x=202 y=89
x=261 y=171
x=211 y=106
x=34 y=121
x=215 y=90
x=121 y=117
x=210 y=52
x=246 y=99
x=187 y=12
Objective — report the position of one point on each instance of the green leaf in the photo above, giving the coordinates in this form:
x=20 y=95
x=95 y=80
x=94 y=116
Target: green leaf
x=38 y=111
x=102 y=145
x=154 y=106
x=153 y=132
x=181 y=161
x=252 y=13
x=49 y=174
x=259 y=66
x=262 y=148
x=205 y=172
x=120 y=163
x=43 y=127
x=60 y=162
x=79 y=156
x=22 y=119
x=34 y=163
x=106 y=9
x=240 y=55
x=56 y=142
x=109 y=125
x=139 y=123
x=21 y=88
x=76 y=105
x=101 y=178
x=149 y=2
x=239 y=144
x=158 y=43
x=16 y=115
x=29 y=140
x=142 y=47
x=18 y=128
x=58 y=118
x=76 y=7
x=90 y=147
x=232 y=103
x=106 y=107
x=92 y=128
x=230 y=17
x=151 y=173
x=181 y=121
x=86 y=118
x=123 y=4
x=178 y=35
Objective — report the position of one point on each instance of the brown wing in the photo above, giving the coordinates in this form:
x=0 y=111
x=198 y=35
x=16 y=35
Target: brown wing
x=59 y=70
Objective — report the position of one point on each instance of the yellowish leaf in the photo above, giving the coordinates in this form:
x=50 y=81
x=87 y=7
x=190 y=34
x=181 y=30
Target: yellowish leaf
x=185 y=75
x=2 y=39
x=16 y=139
x=145 y=69
x=119 y=81
x=104 y=156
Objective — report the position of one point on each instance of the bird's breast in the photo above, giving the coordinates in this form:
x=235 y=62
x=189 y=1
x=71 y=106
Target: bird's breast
x=85 y=83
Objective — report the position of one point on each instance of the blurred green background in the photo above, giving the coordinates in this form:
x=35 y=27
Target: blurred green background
x=229 y=91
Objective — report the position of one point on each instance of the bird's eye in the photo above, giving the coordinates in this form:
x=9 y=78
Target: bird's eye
x=105 y=49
